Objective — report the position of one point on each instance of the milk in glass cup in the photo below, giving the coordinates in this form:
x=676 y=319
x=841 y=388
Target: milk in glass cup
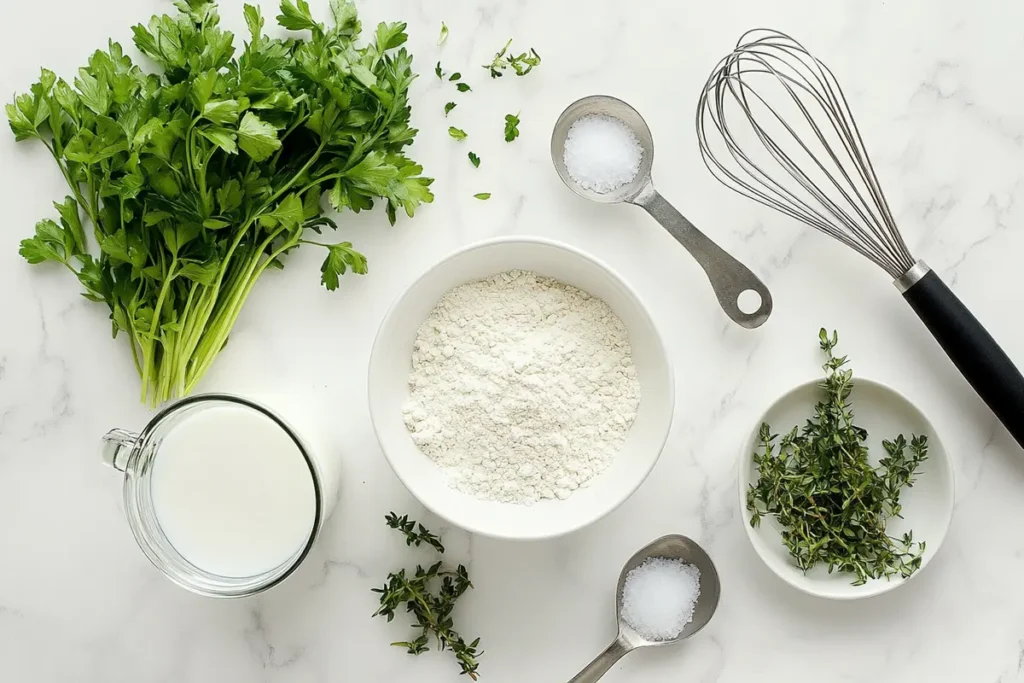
x=221 y=494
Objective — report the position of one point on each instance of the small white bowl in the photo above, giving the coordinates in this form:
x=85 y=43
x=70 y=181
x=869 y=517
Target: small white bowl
x=390 y=364
x=927 y=506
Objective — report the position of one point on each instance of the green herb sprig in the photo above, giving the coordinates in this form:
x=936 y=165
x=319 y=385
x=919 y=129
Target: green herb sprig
x=832 y=505
x=429 y=595
x=521 y=64
x=412 y=535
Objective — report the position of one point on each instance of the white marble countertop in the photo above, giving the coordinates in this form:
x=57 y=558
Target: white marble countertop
x=935 y=87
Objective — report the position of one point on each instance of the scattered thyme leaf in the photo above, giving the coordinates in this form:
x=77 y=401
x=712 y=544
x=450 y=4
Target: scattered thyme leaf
x=521 y=64
x=444 y=34
x=832 y=505
x=437 y=70
x=454 y=77
x=474 y=159
x=429 y=595
x=457 y=133
x=511 y=127
x=463 y=87
x=448 y=108
x=483 y=196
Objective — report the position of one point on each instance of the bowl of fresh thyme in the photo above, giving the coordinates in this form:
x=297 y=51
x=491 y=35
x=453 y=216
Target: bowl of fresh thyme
x=853 y=500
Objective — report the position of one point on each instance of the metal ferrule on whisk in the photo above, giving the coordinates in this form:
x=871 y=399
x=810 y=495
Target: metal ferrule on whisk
x=912 y=276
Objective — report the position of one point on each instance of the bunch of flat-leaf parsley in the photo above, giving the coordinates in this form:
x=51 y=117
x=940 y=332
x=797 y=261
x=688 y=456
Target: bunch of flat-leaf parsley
x=197 y=178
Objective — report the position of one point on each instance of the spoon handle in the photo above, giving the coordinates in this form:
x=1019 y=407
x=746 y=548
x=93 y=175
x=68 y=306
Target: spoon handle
x=729 y=277
x=604 y=661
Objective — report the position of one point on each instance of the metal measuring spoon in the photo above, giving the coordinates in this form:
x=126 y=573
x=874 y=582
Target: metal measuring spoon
x=673 y=548
x=729 y=277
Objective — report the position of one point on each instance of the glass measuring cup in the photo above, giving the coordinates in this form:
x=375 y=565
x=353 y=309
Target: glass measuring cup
x=136 y=454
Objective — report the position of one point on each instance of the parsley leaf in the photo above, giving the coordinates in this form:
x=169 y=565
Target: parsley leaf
x=482 y=195
x=257 y=138
x=521 y=64
x=296 y=17
x=457 y=133
x=474 y=159
x=51 y=243
x=511 y=127
x=341 y=257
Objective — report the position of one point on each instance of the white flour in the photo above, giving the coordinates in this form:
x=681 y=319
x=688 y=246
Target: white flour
x=523 y=386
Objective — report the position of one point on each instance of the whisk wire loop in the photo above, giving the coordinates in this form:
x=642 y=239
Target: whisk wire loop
x=743 y=102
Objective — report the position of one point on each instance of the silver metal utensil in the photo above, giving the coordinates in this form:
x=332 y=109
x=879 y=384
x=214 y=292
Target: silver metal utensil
x=774 y=125
x=672 y=547
x=728 y=277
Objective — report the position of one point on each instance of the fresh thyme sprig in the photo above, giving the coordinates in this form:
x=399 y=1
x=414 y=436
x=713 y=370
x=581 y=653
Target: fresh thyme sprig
x=412 y=536
x=431 y=608
x=832 y=505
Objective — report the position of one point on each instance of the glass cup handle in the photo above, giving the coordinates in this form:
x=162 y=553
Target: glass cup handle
x=117 y=446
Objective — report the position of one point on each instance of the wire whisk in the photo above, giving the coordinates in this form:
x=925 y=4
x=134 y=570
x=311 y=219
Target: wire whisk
x=768 y=71
x=774 y=125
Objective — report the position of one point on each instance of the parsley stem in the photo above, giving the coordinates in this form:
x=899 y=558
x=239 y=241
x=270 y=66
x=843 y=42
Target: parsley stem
x=287 y=186
x=277 y=155
x=221 y=326
x=75 y=189
x=149 y=351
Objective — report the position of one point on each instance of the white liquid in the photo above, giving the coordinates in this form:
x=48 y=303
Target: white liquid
x=232 y=492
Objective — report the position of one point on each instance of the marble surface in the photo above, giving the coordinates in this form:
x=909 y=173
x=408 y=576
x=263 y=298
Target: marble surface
x=934 y=84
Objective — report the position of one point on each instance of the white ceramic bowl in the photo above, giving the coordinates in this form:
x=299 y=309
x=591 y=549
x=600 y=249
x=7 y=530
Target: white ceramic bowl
x=390 y=364
x=927 y=506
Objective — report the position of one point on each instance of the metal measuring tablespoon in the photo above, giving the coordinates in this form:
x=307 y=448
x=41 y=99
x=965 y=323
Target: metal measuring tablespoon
x=672 y=548
x=729 y=277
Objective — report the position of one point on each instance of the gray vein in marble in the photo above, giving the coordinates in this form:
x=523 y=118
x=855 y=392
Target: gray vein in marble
x=61 y=405
x=715 y=673
x=257 y=637
x=516 y=211
x=944 y=86
x=1001 y=225
x=328 y=567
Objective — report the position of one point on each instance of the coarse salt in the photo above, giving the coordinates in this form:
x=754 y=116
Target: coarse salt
x=602 y=153
x=659 y=596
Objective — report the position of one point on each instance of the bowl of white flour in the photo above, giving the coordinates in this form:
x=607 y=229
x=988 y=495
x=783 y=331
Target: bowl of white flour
x=520 y=389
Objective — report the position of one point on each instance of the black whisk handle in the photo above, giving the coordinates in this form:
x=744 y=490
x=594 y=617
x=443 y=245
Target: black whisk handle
x=971 y=348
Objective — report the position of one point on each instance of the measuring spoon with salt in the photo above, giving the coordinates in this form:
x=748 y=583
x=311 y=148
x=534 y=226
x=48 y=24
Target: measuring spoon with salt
x=729 y=278
x=672 y=547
